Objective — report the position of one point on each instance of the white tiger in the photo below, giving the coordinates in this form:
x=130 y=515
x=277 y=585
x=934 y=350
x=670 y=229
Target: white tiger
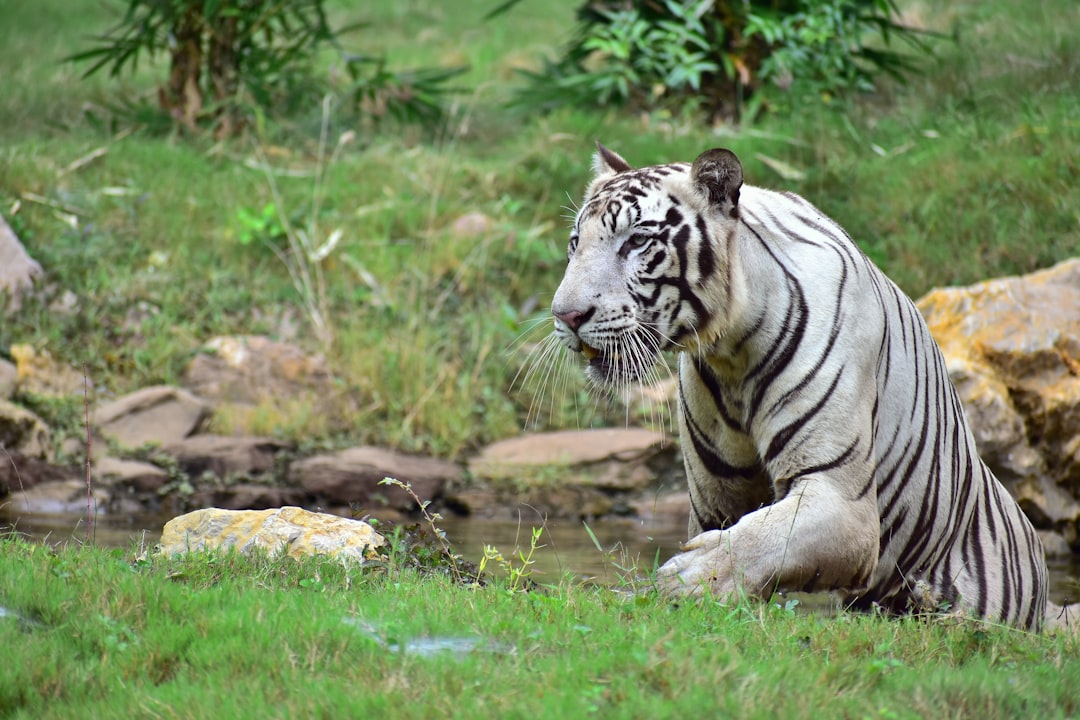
x=825 y=446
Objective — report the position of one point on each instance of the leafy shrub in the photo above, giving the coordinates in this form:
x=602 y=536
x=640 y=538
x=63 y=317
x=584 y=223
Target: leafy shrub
x=720 y=55
x=232 y=59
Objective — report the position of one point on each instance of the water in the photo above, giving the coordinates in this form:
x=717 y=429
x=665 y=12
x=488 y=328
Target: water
x=568 y=547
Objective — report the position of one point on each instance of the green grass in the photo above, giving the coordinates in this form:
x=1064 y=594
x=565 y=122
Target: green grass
x=966 y=173
x=225 y=636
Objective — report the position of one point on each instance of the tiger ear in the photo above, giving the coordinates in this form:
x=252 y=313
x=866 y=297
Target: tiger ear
x=717 y=174
x=606 y=162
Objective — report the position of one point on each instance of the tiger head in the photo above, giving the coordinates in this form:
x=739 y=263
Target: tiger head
x=648 y=263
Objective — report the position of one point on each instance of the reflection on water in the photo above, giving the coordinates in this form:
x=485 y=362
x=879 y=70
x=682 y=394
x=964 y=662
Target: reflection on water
x=568 y=546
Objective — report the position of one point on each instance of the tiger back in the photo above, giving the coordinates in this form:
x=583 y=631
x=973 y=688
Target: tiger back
x=824 y=444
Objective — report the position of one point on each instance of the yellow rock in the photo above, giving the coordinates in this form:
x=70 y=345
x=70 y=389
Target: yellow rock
x=301 y=533
x=38 y=373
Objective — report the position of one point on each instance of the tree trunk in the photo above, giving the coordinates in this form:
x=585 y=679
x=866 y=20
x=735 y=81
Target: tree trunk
x=182 y=96
x=223 y=75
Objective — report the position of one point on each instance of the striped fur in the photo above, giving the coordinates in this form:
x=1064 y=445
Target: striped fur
x=825 y=446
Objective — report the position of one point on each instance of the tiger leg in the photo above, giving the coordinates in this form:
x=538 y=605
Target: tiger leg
x=815 y=538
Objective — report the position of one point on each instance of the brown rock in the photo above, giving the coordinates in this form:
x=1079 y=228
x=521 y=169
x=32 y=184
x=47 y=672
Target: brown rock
x=298 y=531
x=251 y=368
x=554 y=502
x=159 y=414
x=225 y=455
x=258 y=384
x=18 y=472
x=569 y=447
x=133 y=474
x=1012 y=346
x=247 y=496
x=613 y=458
x=17 y=269
x=23 y=432
x=38 y=373
x=59 y=498
x=352 y=476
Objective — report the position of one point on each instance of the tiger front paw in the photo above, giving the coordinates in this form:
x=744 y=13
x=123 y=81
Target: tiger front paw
x=703 y=567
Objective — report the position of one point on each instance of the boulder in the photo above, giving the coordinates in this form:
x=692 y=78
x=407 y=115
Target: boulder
x=19 y=472
x=23 y=432
x=247 y=496
x=352 y=477
x=297 y=531
x=225 y=455
x=131 y=474
x=251 y=368
x=1012 y=348
x=61 y=497
x=610 y=458
x=257 y=383
x=570 y=474
x=158 y=414
x=17 y=269
x=572 y=502
x=38 y=373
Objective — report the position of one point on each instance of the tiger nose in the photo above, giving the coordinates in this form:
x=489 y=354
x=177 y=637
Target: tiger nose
x=573 y=318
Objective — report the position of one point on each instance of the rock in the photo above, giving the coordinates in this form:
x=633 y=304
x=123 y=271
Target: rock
x=18 y=472
x=472 y=224
x=60 y=497
x=23 y=432
x=17 y=269
x=299 y=531
x=1012 y=347
x=225 y=455
x=663 y=508
x=252 y=369
x=554 y=502
x=258 y=384
x=38 y=373
x=352 y=476
x=613 y=458
x=578 y=474
x=9 y=375
x=247 y=496
x=132 y=474
x=159 y=414
x=1054 y=544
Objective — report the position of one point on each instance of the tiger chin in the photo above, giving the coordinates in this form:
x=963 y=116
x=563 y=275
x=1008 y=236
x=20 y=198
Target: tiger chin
x=824 y=445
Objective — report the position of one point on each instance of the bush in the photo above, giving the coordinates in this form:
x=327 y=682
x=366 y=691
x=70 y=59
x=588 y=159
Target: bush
x=229 y=59
x=722 y=56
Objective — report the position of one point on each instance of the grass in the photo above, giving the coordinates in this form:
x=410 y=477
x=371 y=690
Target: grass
x=226 y=636
x=965 y=173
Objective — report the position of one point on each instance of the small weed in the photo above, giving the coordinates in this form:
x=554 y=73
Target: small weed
x=453 y=561
x=519 y=573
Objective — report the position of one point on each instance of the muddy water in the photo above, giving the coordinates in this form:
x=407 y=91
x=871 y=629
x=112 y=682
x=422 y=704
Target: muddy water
x=567 y=547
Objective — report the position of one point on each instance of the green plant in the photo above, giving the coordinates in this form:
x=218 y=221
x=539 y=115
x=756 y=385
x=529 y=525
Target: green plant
x=518 y=575
x=718 y=54
x=221 y=52
x=454 y=561
x=819 y=48
x=231 y=61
